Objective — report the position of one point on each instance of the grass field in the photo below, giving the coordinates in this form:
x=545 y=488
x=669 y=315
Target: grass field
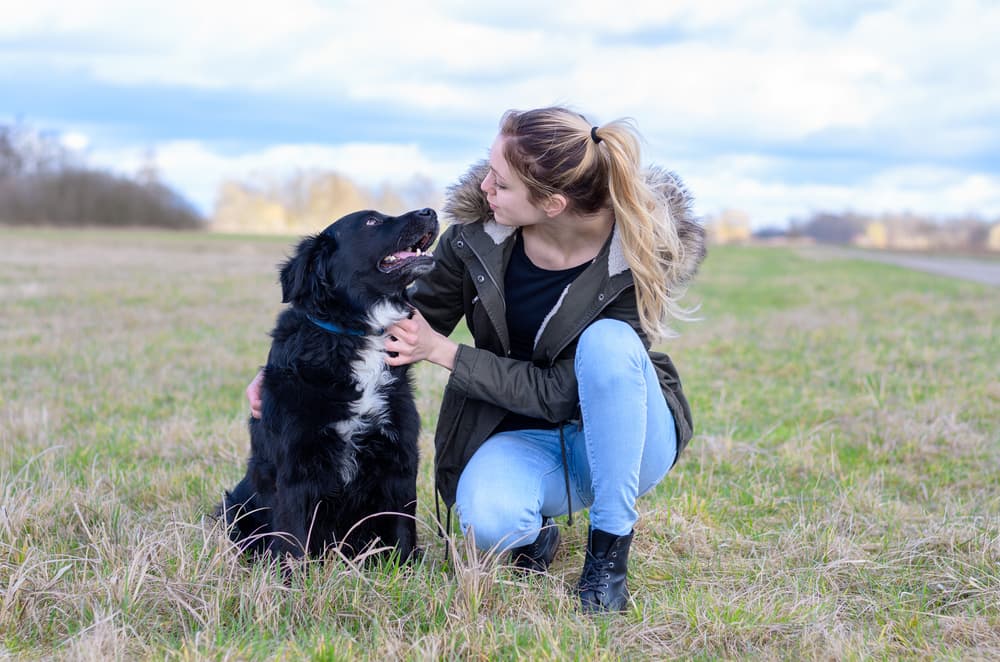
x=840 y=499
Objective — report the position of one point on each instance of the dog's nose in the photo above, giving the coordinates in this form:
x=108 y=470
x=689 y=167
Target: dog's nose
x=427 y=212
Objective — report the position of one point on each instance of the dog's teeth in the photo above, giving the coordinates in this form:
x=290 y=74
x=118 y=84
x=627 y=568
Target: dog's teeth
x=390 y=259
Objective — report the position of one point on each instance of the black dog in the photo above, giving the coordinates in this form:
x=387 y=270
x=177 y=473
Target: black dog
x=333 y=458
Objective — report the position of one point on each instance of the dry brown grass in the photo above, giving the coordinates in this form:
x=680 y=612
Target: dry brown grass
x=839 y=502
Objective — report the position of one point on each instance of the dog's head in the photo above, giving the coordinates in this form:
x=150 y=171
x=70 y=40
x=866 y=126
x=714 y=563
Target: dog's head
x=359 y=260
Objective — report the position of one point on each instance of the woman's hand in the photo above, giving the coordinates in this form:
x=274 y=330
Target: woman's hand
x=411 y=340
x=253 y=395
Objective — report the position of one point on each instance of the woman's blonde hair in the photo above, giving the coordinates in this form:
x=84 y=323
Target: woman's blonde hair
x=555 y=150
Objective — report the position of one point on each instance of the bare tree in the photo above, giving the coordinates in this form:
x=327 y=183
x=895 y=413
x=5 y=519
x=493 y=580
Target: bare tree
x=40 y=185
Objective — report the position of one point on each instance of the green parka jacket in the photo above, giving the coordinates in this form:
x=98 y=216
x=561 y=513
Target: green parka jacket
x=468 y=281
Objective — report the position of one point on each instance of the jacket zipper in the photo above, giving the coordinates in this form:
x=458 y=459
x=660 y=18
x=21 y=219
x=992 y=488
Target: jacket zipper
x=482 y=263
x=577 y=331
x=503 y=299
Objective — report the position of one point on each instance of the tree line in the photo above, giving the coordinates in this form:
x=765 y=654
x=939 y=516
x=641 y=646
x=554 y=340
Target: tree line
x=903 y=231
x=42 y=183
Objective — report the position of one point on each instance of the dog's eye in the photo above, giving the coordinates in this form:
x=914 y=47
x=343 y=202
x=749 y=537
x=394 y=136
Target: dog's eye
x=373 y=220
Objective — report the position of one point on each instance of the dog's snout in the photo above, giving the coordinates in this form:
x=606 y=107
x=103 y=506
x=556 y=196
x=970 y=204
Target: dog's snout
x=426 y=212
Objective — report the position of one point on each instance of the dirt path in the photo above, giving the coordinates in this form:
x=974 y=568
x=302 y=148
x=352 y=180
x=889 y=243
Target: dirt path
x=981 y=271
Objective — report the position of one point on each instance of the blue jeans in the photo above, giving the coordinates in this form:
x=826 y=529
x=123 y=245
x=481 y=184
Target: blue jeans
x=625 y=446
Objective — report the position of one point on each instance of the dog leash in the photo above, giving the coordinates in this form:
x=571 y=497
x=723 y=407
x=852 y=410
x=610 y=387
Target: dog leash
x=565 y=459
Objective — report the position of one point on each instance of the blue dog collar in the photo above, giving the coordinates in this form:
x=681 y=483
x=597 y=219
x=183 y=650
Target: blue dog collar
x=333 y=328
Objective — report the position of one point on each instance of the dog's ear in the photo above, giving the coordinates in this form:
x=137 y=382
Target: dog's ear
x=297 y=274
x=293 y=271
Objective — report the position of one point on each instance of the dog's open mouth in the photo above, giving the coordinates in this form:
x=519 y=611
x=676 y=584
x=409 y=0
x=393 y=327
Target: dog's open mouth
x=415 y=251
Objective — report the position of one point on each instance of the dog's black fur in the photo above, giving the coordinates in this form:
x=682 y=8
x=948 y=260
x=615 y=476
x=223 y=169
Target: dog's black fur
x=333 y=458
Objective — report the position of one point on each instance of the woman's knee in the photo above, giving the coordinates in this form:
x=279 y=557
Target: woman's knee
x=611 y=349
x=609 y=336
x=500 y=490
x=495 y=522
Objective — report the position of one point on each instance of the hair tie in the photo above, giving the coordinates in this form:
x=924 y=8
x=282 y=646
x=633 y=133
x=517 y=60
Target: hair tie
x=593 y=135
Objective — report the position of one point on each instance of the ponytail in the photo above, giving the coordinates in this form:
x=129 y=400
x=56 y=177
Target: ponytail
x=648 y=232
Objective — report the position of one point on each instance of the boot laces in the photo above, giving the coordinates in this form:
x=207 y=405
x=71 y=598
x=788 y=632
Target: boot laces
x=534 y=548
x=596 y=573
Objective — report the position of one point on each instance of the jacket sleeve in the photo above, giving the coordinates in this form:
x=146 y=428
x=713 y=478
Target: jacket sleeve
x=549 y=393
x=438 y=293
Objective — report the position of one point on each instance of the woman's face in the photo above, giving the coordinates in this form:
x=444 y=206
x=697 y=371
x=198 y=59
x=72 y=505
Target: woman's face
x=506 y=192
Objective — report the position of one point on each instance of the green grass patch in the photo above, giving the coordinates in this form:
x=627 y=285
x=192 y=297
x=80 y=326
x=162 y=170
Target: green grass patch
x=839 y=499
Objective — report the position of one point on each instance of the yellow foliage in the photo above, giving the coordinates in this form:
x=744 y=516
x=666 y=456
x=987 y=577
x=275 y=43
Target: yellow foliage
x=731 y=226
x=306 y=202
x=993 y=242
x=876 y=236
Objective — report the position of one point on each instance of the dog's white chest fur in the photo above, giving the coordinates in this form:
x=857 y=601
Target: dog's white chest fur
x=372 y=377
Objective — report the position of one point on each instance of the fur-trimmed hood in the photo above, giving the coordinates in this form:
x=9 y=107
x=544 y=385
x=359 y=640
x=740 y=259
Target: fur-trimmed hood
x=465 y=202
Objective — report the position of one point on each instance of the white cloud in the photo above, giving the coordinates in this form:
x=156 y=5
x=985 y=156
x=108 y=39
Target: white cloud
x=916 y=81
x=759 y=53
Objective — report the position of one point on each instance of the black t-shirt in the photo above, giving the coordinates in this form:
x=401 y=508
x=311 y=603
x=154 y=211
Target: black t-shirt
x=530 y=292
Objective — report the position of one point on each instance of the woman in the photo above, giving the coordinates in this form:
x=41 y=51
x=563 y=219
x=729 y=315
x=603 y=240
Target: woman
x=566 y=261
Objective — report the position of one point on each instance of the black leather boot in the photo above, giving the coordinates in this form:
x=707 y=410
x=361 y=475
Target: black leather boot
x=538 y=555
x=602 y=582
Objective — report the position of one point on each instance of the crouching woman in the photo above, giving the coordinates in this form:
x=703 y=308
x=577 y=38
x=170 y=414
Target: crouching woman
x=566 y=262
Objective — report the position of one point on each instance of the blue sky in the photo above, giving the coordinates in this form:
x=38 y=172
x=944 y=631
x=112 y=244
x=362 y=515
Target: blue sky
x=776 y=108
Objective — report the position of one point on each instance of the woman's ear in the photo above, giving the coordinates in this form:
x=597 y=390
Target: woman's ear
x=555 y=204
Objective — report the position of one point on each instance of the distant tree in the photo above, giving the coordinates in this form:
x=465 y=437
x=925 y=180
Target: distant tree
x=729 y=226
x=148 y=173
x=993 y=238
x=833 y=228
x=11 y=160
x=93 y=198
x=769 y=232
x=389 y=200
x=897 y=231
x=308 y=200
x=40 y=185
x=328 y=196
x=239 y=208
x=24 y=151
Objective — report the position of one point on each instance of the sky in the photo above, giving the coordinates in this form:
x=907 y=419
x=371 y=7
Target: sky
x=778 y=109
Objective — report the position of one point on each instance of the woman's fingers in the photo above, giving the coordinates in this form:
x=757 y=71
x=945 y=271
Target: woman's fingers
x=253 y=395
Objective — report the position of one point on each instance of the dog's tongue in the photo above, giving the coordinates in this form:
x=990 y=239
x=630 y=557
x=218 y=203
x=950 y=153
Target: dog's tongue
x=404 y=255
